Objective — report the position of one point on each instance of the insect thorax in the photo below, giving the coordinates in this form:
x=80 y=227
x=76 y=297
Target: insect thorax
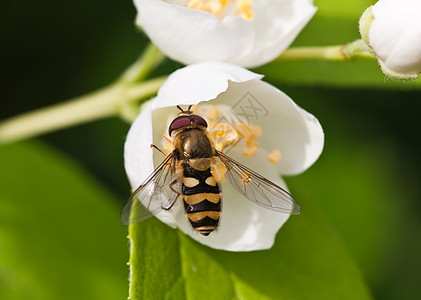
x=195 y=143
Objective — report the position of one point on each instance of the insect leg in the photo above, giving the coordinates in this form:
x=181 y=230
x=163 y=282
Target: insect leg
x=178 y=195
x=171 y=186
x=154 y=146
x=171 y=205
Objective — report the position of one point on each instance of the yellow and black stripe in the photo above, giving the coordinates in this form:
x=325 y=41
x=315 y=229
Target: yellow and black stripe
x=202 y=199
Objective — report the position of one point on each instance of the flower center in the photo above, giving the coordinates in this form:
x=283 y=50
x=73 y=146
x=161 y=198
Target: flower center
x=224 y=8
x=226 y=130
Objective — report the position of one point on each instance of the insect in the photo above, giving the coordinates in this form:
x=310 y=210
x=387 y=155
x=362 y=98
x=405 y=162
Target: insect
x=188 y=172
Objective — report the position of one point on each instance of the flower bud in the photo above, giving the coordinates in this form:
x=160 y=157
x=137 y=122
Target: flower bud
x=393 y=31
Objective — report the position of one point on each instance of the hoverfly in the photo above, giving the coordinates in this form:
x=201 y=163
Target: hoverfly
x=187 y=173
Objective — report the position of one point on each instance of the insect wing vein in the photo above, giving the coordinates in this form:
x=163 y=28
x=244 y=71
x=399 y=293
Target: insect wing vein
x=153 y=194
x=257 y=188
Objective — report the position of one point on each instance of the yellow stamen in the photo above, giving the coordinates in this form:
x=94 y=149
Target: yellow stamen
x=242 y=129
x=167 y=144
x=249 y=133
x=212 y=113
x=274 y=156
x=249 y=151
x=214 y=6
x=168 y=147
x=223 y=8
x=245 y=10
x=223 y=136
x=167 y=139
x=256 y=131
x=252 y=143
x=195 y=4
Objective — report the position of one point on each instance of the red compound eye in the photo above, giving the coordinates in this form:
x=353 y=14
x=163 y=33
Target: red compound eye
x=198 y=120
x=179 y=122
x=185 y=121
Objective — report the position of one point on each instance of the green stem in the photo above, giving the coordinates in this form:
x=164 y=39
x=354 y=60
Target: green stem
x=112 y=100
x=138 y=71
x=118 y=98
x=356 y=49
x=103 y=103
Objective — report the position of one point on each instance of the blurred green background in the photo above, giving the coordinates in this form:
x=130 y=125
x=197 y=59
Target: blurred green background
x=60 y=195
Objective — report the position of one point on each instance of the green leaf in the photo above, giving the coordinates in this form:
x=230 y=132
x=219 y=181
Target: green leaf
x=60 y=235
x=342 y=8
x=308 y=261
x=367 y=180
x=359 y=198
x=365 y=190
x=335 y=23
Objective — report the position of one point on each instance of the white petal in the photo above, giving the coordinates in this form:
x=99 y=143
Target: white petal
x=137 y=155
x=395 y=35
x=190 y=35
x=190 y=85
x=200 y=82
x=285 y=126
x=244 y=226
x=276 y=24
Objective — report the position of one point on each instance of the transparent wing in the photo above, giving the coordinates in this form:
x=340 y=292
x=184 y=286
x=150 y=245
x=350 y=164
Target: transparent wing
x=159 y=191
x=257 y=188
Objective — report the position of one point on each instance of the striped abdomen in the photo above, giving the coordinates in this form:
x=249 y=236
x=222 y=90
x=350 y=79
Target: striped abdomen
x=202 y=199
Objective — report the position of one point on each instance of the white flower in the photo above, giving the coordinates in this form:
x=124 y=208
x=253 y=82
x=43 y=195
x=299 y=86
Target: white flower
x=293 y=138
x=243 y=32
x=393 y=30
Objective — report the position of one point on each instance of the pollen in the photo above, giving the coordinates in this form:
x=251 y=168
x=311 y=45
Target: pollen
x=274 y=156
x=212 y=113
x=227 y=130
x=168 y=146
x=224 y=8
x=223 y=135
x=245 y=10
x=249 y=151
x=249 y=133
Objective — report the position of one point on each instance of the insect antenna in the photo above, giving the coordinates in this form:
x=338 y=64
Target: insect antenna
x=188 y=111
